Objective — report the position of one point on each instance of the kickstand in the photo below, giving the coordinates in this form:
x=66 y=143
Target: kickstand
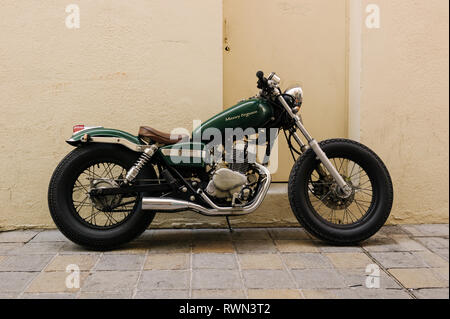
x=229 y=225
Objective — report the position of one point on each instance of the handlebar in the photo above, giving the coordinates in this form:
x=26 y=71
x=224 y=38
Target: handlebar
x=269 y=84
x=262 y=81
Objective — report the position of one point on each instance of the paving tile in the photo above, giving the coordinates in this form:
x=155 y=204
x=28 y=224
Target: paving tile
x=164 y=279
x=218 y=294
x=389 y=230
x=330 y=294
x=17 y=236
x=260 y=261
x=139 y=248
x=54 y=282
x=378 y=236
x=38 y=248
x=250 y=234
x=289 y=233
x=434 y=243
x=274 y=294
x=431 y=259
x=442 y=272
x=440 y=293
x=45 y=295
x=211 y=234
x=365 y=293
x=172 y=235
x=84 y=262
x=104 y=295
x=318 y=278
x=219 y=247
x=163 y=294
x=70 y=248
x=25 y=263
x=408 y=244
x=296 y=246
x=416 y=278
x=386 y=244
x=325 y=248
x=216 y=279
x=111 y=281
x=49 y=236
x=393 y=244
x=172 y=247
x=15 y=281
x=427 y=229
x=255 y=246
x=167 y=261
x=349 y=260
x=306 y=260
x=411 y=230
x=120 y=262
x=1 y=258
x=358 y=277
x=6 y=248
x=399 y=260
x=442 y=252
x=267 y=279
x=214 y=261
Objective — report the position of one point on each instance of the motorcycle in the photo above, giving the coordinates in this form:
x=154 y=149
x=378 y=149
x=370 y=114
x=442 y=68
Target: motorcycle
x=107 y=191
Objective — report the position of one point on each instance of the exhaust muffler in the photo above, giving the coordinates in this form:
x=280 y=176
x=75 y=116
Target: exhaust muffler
x=176 y=205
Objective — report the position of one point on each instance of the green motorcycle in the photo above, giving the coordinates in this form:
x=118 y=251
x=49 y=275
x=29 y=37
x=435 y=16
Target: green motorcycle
x=107 y=190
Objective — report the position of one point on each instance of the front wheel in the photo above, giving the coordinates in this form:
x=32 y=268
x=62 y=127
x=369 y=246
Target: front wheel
x=320 y=206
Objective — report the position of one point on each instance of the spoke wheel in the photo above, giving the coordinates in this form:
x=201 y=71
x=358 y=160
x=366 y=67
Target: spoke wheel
x=102 y=212
x=328 y=202
x=321 y=207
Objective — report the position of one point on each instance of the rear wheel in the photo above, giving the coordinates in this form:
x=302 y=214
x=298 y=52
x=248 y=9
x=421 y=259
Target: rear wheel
x=320 y=206
x=102 y=222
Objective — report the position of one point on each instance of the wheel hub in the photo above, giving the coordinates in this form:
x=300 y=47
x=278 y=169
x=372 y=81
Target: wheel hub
x=105 y=202
x=335 y=199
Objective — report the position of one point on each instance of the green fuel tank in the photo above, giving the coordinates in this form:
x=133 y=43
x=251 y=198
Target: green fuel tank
x=252 y=113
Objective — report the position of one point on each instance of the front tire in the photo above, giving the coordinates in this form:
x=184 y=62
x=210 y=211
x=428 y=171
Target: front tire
x=345 y=227
x=62 y=206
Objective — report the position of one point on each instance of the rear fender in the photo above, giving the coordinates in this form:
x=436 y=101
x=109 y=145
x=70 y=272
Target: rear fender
x=107 y=135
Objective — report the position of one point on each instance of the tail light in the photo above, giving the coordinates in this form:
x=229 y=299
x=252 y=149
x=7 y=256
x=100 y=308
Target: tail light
x=78 y=128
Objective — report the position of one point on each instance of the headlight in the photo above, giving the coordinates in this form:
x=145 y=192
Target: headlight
x=297 y=95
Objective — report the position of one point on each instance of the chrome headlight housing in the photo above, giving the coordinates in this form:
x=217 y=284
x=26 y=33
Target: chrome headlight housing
x=297 y=95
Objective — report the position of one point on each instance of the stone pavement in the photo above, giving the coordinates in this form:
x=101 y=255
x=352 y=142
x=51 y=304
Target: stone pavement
x=409 y=261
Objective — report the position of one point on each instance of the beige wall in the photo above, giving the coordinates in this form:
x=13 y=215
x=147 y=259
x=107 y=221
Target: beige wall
x=150 y=62
x=404 y=104
x=160 y=63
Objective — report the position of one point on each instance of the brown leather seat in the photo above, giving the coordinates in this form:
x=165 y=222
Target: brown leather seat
x=160 y=137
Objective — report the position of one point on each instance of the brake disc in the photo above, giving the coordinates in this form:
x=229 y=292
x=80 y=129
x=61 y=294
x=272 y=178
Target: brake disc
x=333 y=200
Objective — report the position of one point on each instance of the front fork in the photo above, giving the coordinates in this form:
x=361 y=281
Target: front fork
x=344 y=187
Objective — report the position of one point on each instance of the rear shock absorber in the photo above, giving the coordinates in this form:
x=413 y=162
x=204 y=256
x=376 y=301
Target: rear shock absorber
x=143 y=159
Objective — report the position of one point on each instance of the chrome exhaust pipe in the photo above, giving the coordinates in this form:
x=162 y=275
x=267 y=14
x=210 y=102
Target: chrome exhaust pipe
x=176 y=205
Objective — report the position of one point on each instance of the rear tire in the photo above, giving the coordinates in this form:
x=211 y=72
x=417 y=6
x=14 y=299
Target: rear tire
x=299 y=193
x=61 y=203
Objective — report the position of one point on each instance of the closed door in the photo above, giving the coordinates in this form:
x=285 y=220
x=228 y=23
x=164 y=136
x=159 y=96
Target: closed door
x=305 y=43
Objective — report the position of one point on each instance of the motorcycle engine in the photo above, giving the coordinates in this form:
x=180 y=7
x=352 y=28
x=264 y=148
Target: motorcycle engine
x=226 y=182
x=232 y=181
